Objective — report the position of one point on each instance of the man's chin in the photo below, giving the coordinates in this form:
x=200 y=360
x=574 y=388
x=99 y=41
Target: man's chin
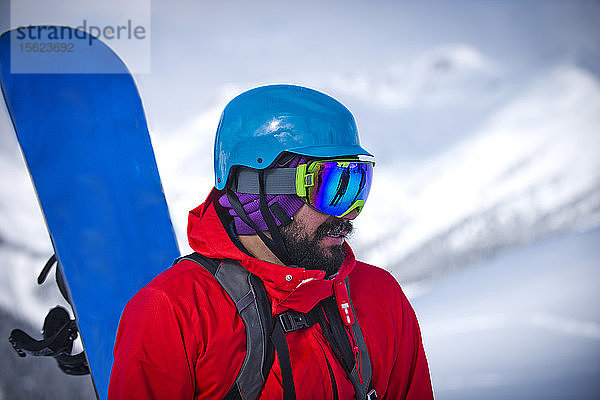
x=325 y=253
x=334 y=256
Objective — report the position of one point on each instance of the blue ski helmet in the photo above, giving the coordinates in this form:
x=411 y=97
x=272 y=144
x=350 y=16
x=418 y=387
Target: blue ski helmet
x=260 y=124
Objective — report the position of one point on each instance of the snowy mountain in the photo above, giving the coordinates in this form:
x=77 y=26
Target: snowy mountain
x=533 y=168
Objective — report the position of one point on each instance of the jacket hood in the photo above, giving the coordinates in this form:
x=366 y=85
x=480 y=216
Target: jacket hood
x=291 y=288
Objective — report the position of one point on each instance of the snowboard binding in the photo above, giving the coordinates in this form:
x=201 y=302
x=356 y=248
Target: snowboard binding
x=59 y=332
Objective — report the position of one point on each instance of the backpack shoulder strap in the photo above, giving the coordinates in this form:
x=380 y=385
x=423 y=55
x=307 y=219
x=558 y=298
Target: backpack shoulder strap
x=250 y=298
x=361 y=374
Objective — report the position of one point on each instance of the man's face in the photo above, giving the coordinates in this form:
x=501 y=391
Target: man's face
x=315 y=240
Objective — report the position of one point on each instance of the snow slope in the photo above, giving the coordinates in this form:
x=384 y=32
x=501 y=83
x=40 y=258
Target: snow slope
x=524 y=325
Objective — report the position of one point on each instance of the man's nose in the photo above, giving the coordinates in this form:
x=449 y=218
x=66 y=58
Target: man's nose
x=351 y=215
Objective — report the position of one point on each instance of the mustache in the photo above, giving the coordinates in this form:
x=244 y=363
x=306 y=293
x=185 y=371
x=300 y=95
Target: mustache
x=342 y=227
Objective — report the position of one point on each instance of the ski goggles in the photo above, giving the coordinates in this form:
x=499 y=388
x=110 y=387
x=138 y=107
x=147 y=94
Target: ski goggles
x=335 y=187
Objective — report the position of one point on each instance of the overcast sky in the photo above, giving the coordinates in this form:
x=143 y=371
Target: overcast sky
x=199 y=47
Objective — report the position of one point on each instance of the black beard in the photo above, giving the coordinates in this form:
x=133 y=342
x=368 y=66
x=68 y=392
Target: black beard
x=306 y=251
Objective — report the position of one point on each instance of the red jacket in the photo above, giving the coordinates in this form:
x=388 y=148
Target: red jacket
x=181 y=338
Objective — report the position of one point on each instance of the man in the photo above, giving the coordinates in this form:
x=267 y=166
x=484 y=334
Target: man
x=290 y=176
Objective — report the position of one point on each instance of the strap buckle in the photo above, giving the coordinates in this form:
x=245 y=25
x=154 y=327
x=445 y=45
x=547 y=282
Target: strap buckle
x=372 y=395
x=292 y=321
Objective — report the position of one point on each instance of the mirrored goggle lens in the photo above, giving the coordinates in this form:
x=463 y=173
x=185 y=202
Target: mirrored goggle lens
x=339 y=187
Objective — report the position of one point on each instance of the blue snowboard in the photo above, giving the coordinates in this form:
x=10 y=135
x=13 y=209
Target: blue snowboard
x=85 y=140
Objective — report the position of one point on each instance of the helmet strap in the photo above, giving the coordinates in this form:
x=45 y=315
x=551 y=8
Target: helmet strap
x=280 y=249
x=275 y=248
